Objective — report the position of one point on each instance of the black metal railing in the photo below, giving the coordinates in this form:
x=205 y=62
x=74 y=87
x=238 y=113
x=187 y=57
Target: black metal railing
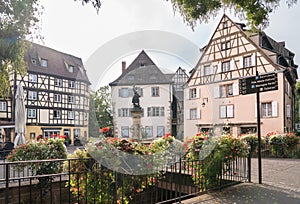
x=22 y=182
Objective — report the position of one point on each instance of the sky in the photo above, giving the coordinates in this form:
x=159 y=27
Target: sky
x=117 y=33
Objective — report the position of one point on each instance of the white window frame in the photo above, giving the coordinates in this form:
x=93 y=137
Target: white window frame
x=207 y=70
x=44 y=62
x=31 y=113
x=149 y=131
x=124 y=112
x=225 y=45
x=57 y=98
x=58 y=82
x=3 y=106
x=32 y=78
x=155 y=91
x=194 y=113
x=71 y=99
x=125 y=131
x=269 y=109
x=58 y=114
x=71 y=115
x=32 y=95
x=71 y=68
x=226 y=111
x=226 y=66
x=72 y=84
x=247 y=61
x=124 y=92
x=160 y=131
x=156 y=111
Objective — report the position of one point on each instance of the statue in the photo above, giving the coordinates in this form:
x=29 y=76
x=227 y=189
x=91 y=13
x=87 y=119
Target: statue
x=135 y=98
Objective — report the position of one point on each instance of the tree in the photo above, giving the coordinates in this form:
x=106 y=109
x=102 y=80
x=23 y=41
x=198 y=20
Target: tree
x=256 y=12
x=18 y=20
x=100 y=110
x=297 y=99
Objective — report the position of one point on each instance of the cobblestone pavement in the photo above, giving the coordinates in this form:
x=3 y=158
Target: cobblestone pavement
x=281 y=185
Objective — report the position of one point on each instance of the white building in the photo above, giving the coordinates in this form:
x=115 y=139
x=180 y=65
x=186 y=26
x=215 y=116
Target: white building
x=155 y=89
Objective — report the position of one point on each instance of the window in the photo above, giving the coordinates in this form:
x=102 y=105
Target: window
x=125 y=131
x=57 y=98
x=225 y=45
x=149 y=131
x=207 y=70
x=71 y=115
x=32 y=135
x=71 y=68
x=124 y=92
x=160 y=131
x=193 y=93
x=3 y=106
x=32 y=95
x=226 y=90
x=225 y=25
x=247 y=130
x=155 y=91
x=33 y=61
x=194 y=113
x=44 y=62
x=32 y=78
x=247 y=62
x=226 y=111
x=71 y=84
x=58 y=82
x=31 y=113
x=70 y=99
x=266 y=109
x=76 y=133
x=124 y=112
x=156 y=111
x=57 y=114
x=226 y=66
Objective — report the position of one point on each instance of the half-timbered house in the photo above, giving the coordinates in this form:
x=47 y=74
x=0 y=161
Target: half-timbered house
x=57 y=95
x=213 y=100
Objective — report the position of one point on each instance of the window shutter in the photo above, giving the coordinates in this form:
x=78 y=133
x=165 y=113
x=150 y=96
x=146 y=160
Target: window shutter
x=230 y=111
x=120 y=92
x=255 y=109
x=235 y=89
x=232 y=64
x=187 y=93
x=201 y=70
x=274 y=109
x=253 y=61
x=219 y=70
x=223 y=111
x=216 y=91
x=211 y=69
x=197 y=92
x=198 y=113
x=187 y=114
x=288 y=111
x=241 y=62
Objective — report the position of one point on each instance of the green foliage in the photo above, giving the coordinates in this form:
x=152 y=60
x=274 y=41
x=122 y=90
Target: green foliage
x=41 y=150
x=252 y=140
x=255 y=12
x=100 y=110
x=297 y=98
x=208 y=171
x=101 y=185
x=283 y=145
x=18 y=19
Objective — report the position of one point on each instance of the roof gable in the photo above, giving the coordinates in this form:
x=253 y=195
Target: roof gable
x=141 y=71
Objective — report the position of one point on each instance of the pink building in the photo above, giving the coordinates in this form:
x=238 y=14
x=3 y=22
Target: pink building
x=213 y=101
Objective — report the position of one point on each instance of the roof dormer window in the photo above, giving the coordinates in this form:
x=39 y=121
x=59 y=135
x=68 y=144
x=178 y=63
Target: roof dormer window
x=44 y=63
x=71 y=68
x=33 y=61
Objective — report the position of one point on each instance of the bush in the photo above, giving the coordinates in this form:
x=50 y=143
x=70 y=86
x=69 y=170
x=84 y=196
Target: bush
x=283 y=144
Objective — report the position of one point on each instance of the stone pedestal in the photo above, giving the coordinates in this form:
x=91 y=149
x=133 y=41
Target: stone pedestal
x=136 y=114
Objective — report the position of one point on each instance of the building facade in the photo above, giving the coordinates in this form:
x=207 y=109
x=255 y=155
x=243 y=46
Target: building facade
x=156 y=96
x=57 y=95
x=212 y=96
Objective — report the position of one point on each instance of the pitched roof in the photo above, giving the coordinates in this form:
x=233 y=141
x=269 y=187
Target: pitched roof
x=57 y=63
x=142 y=71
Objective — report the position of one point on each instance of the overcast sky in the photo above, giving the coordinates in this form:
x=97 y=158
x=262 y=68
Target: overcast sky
x=69 y=27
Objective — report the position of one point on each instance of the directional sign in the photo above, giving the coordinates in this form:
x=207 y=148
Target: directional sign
x=260 y=83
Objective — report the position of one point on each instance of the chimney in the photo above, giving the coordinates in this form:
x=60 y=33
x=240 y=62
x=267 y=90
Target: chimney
x=123 y=66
